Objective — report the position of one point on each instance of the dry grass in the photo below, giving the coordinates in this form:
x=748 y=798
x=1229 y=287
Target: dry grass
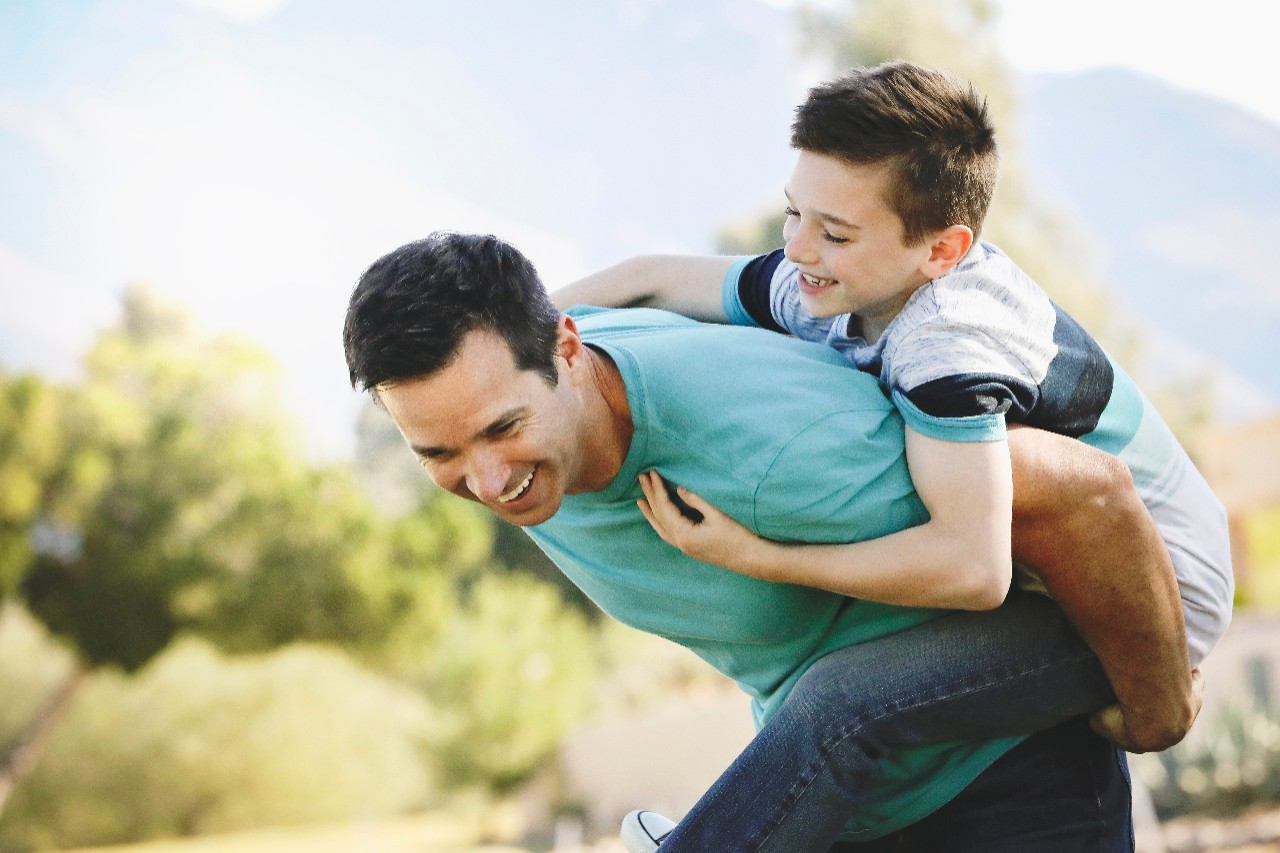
x=433 y=833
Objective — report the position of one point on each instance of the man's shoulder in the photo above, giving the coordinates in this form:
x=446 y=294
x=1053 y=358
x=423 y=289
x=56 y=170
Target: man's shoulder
x=662 y=339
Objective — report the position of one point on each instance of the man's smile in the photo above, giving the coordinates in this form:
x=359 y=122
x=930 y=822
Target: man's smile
x=520 y=488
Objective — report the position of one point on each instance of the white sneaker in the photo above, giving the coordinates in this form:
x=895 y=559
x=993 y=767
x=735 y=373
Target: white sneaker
x=643 y=831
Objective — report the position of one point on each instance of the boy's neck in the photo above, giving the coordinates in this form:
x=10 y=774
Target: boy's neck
x=871 y=326
x=866 y=328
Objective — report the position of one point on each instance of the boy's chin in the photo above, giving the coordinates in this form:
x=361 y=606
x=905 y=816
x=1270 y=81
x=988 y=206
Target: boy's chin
x=824 y=308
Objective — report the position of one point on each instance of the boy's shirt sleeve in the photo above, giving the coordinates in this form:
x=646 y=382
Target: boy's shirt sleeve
x=955 y=382
x=764 y=291
x=747 y=290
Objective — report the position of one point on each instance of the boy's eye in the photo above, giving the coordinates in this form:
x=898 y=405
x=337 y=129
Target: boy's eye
x=790 y=212
x=831 y=238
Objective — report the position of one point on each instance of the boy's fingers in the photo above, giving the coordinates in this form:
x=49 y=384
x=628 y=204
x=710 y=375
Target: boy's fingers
x=646 y=487
x=661 y=501
x=693 y=499
x=647 y=512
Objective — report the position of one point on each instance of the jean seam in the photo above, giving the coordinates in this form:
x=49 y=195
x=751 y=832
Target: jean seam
x=914 y=702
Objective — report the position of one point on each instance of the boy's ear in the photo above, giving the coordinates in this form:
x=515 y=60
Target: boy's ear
x=946 y=249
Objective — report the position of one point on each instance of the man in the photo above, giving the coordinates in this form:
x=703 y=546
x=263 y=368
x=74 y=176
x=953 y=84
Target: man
x=550 y=419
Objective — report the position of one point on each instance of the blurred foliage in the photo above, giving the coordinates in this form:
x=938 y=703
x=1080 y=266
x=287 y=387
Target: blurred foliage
x=175 y=500
x=163 y=497
x=198 y=742
x=520 y=667
x=1262 y=534
x=31 y=667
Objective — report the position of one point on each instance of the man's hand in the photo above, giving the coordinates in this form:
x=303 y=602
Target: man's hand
x=1150 y=732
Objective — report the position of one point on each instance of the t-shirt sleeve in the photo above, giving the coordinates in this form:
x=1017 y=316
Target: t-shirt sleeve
x=954 y=382
x=747 y=289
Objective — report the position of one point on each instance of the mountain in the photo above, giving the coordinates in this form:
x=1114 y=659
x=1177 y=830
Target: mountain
x=1180 y=193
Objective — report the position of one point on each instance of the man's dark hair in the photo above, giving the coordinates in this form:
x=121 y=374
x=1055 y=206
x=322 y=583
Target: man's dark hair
x=411 y=309
x=931 y=129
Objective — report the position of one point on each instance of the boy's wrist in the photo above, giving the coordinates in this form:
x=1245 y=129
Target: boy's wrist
x=765 y=559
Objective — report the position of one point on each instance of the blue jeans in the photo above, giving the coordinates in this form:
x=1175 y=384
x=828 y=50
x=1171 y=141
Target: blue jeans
x=1015 y=670
x=1063 y=789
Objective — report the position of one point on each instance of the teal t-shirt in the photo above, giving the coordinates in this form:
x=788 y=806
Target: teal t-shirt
x=781 y=435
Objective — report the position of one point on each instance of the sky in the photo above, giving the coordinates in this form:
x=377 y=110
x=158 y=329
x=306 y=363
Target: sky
x=1225 y=49
x=165 y=140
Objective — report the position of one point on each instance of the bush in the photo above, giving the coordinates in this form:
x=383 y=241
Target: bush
x=1234 y=766
x=200 y=743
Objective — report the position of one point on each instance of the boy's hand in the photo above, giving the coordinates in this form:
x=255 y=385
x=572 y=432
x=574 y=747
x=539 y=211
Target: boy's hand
x=716 y=539
x=1149 y=733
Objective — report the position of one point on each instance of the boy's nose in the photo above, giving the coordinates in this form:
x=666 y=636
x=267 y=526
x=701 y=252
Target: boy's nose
x=797 y=248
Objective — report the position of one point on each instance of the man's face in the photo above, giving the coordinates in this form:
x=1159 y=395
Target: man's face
x=847 y=242
x=492 y=433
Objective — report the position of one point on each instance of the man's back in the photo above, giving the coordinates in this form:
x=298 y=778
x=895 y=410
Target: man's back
x=785 y=437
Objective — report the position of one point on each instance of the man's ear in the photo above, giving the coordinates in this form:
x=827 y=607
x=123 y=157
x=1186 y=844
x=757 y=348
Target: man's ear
x=569 y=344
x=946 y=248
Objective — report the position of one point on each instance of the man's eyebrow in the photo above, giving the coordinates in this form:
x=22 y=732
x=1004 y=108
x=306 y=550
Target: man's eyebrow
x=826 y=217
x=502 y=420
x=495 y=427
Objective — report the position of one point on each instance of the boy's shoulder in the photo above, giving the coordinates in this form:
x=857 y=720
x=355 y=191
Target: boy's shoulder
x=986 y=290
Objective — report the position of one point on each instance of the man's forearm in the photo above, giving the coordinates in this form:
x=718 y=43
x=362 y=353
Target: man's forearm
x=1079 y=522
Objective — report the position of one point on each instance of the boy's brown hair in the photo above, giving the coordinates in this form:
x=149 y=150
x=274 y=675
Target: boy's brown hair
x=931 y=128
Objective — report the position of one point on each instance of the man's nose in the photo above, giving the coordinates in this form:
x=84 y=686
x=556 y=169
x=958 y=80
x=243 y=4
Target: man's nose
x=487 y=476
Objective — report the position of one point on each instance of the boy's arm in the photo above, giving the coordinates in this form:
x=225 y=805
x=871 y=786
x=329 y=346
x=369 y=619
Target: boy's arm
x=687 y=284
x=958 y=559
x=1079 y=522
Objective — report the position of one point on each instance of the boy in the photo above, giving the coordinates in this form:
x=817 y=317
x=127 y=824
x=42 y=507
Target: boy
x=895 y=171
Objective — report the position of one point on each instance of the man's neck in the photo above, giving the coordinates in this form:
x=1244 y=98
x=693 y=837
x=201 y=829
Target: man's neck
x=609 y=409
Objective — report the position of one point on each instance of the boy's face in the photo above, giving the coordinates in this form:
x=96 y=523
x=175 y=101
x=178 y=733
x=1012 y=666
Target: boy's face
x=848 y=243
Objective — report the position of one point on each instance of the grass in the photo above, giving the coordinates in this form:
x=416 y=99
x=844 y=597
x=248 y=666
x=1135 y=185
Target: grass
x=434 y=833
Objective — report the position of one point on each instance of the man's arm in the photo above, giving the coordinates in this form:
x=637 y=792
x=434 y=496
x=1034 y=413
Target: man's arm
x=1079 y=522
x=687 y=284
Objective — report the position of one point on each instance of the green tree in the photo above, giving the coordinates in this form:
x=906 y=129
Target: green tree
x=165 y=493
x=517 y=670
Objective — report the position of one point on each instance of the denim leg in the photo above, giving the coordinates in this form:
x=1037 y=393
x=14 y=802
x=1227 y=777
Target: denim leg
x=1013 y=670
x=1063 y=790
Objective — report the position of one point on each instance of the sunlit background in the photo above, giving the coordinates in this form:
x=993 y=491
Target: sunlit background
x=246 y=159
